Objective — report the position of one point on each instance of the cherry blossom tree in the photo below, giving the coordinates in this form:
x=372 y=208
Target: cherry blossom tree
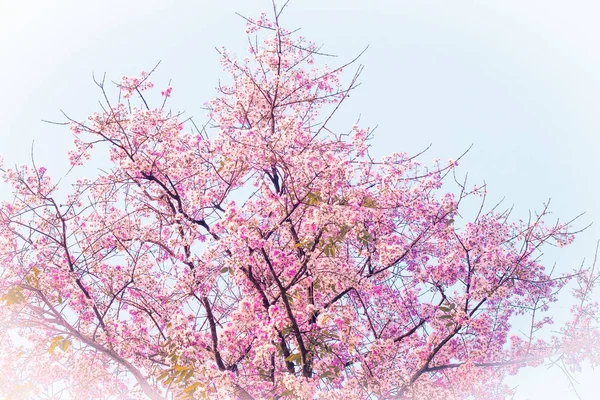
x=266 y=255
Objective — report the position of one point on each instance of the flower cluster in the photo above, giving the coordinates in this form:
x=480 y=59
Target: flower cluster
x=272 y=257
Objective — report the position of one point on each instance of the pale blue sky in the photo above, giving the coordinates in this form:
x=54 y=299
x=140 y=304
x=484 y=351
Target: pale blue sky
x=518 y=79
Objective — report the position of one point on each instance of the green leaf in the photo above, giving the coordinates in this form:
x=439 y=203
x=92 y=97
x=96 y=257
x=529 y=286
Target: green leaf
x=190 y=373
x=364 y=237
x=341 y=201
x=330 y=250
x=313 y=199
x=344 y=229
x=445 y=309
x=446 y=316
x=185 y=374
x=294 y=357
x=279 y=350
x=290 y=298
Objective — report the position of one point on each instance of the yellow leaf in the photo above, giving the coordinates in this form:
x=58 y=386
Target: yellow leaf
x=13 y=296
x=52 y=347
x=188 y=375
x=304 y=244
x=191 y=388
x=60 y=342
x=163 y=375
x=33 y=277
x=369 y=203
x=169 y=380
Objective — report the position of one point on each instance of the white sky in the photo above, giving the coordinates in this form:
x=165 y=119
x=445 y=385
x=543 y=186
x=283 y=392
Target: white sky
x=518 y=79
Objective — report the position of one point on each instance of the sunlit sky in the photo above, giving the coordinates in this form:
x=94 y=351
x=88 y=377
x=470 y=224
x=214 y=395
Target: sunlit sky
x=517 y=79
